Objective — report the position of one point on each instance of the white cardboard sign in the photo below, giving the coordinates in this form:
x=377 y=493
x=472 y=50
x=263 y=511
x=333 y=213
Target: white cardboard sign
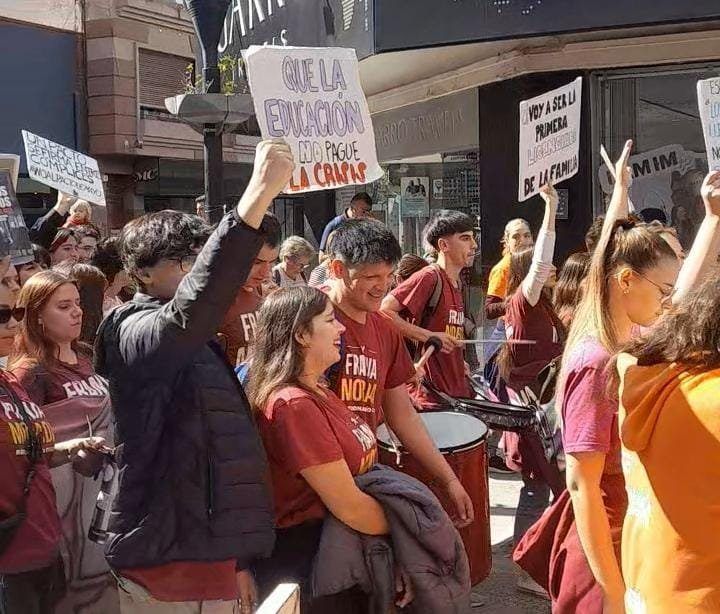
x=549 y=138
x=708 y=92
x=63 y=168
x=311 y=98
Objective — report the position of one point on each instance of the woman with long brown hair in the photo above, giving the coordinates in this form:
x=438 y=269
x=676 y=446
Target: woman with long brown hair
x=670 y=389
x=57 y=372
x=64 y=246
x=634 y=278
x=530 y=317
x=315 y=444
x=568 y=291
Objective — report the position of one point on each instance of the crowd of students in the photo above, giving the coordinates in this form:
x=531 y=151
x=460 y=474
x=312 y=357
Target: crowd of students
x=239 y=401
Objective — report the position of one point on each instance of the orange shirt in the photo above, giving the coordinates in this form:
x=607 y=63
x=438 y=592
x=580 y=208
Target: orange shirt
x=499 y=275
x=670 y=431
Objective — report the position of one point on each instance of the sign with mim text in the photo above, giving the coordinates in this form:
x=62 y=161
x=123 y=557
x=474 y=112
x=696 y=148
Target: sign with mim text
x=63 y=168
x=549 y=138
x=708 y=92
x=14 y=240
x=311 y=98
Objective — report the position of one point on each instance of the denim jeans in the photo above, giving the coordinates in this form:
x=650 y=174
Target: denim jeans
x=534 y=498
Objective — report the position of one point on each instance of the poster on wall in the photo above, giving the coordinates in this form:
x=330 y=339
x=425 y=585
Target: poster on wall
x=438 y=189
x=415 y=196
x=312 y=99
x=63 y=168
x=14 y=240
x=549 y=138
x=708 y=91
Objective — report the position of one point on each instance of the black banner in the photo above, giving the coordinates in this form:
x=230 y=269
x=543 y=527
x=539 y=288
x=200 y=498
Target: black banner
x=14 y=240
x=409 y=24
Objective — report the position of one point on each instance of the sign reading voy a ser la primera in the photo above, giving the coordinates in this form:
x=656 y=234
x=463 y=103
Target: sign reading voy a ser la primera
x=311 y=98
x=63 y=168
x=549 y=138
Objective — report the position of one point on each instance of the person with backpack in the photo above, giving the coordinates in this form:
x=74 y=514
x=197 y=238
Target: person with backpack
x=295 y=256
x=430 y=304
x=375 y=365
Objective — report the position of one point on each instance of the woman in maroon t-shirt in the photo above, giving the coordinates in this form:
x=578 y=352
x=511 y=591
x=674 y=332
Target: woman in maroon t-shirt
x=315 y=444
x=31 y=571
x=57 y=373
x=530 y=317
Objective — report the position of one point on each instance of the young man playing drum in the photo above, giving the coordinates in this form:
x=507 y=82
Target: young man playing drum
x=430 y=304
x=375 y=364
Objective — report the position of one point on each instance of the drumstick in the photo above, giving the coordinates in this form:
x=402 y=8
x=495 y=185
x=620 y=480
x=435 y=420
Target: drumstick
x=433 y=344
x=611 y=168
x=500 y=342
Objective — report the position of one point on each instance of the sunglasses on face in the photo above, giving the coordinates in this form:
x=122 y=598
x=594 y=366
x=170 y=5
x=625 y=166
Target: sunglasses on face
x=18 y=313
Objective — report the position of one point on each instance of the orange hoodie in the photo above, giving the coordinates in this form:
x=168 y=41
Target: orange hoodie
x=670 y=431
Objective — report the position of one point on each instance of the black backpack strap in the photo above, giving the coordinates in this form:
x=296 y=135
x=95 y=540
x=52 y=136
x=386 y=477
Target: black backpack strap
x=276 y=277
x=432 y=304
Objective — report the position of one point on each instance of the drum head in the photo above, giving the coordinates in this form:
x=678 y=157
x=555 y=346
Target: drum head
x=451 y=431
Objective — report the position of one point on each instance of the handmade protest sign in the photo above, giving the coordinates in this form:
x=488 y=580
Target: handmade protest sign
x=14 y=240
x=63 y=168
x=549 y=138
x=311 y=98
x=708 y=92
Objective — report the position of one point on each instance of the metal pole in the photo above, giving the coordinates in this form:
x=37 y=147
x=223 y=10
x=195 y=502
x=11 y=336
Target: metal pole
x=212 y=141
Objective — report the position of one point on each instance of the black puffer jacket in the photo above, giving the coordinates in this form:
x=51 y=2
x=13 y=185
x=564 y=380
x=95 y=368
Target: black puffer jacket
x=192 y=467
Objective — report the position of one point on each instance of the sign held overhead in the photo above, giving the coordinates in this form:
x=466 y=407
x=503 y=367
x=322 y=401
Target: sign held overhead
x=14 y=240
x=311 y=98
x=708 y=92
x=63 y=168
x=549 y=138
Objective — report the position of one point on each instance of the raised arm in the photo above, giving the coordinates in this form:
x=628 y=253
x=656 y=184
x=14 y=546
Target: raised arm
x=541 y=267
x=619 y=207
x=174 y=332
x=44 y=229
x=704 y=252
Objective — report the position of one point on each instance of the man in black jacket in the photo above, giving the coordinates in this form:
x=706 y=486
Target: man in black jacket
x=193 y=510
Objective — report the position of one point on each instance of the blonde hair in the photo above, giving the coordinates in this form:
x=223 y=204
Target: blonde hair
x=296 y=247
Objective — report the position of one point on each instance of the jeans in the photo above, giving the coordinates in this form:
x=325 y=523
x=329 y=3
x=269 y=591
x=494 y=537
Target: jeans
x=534 y=499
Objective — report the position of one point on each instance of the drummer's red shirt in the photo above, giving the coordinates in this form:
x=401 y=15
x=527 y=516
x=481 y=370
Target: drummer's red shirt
x=445 y=371
x=300 y=430
x=374 y=360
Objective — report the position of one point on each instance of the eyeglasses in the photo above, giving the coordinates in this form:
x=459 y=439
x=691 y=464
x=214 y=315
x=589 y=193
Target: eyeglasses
x=665 y=294
x=18 y=313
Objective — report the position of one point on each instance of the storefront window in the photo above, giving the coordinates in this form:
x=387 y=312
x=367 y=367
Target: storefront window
x=658 y=110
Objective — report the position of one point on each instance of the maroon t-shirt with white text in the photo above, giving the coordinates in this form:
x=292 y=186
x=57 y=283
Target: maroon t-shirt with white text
x=445 y=371
x=374 y=360
x=239 y=326
x=301 y=430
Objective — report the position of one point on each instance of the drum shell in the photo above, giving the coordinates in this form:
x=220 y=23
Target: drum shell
x=499 y=416
x=470 y=466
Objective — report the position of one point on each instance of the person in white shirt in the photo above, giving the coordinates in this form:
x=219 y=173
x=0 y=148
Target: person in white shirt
x=295 y=256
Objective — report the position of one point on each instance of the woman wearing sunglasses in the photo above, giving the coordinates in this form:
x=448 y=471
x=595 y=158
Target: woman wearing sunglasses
x=31 y=570
x=57 y=373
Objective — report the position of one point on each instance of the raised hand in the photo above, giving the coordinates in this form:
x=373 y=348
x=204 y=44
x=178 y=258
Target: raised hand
x=710 y=192
x=550 y=196
x=623 y=173
x=274 y=165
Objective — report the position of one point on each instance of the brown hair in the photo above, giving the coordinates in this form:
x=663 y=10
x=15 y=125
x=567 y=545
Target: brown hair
x=409 y=265
x=689 y=334
x=568 y=290
x=61 y=237
x=506 y=233
x=277 y=357
x=31 y=344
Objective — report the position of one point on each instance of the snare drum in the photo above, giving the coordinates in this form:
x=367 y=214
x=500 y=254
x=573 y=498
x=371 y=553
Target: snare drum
x=500 y=416
x=461 y=440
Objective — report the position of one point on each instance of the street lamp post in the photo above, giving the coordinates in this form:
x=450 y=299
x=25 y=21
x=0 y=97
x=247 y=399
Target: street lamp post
x=208 y=17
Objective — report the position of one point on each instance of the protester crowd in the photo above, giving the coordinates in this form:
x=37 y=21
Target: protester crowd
x=209 y=411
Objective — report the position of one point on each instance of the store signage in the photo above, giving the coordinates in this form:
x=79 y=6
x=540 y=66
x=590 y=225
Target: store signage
x=63 y=168
x=312 y=99
x=708 y=92
x=549 y=138
x=14 y=240
x=446 y=124
x=426 y=23
x=646 y=165
x=415 y=196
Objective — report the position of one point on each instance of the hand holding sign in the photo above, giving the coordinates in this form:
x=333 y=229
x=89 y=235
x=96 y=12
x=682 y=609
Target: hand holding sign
x=710 y=192
x=312 y=99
